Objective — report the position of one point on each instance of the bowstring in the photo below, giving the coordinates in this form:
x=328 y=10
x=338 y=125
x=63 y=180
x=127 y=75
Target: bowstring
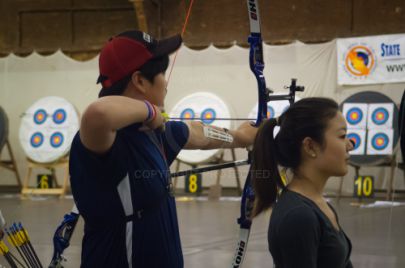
x=190 y=6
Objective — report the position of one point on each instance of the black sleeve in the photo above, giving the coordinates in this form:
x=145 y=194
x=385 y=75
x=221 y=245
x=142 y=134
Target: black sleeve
x=299 y=237
x=349 y=265
x=175 y=137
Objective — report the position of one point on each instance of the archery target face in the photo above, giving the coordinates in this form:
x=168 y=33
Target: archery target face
x=59 y=116
x=188 y=113
x=380 y=126
x=379 y=141
x=47 y=129
x=205 y=107
x=380 y=115
x=36 y=139
x=355 y=114
x=359 y=138
x=271 y=113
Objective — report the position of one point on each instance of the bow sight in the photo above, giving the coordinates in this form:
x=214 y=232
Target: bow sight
x=290 y=96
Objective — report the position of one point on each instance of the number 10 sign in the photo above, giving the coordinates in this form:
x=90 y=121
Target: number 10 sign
x=364 y=186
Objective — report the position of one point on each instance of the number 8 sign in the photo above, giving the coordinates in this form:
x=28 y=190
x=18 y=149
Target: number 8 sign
x=193 y=183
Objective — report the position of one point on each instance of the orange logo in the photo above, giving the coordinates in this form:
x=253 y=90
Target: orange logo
x=360 y=61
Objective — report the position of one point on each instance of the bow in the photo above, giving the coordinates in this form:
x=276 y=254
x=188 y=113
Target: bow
x=62 y=237
x=256 y=64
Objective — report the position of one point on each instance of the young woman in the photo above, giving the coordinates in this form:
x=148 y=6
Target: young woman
x=304 y=229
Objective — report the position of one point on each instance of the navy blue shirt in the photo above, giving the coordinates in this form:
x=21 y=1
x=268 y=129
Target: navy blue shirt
x=123 y=195
x=301 y=236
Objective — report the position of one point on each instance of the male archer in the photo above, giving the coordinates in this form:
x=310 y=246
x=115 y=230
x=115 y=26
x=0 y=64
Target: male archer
x=120 y=158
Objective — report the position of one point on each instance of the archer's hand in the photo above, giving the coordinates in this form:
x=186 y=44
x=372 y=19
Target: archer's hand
x=158 y=123
x=246 y=134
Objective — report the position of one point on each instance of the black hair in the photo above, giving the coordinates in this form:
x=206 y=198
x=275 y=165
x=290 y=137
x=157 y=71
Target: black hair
x=306 y=118
x=149 y=70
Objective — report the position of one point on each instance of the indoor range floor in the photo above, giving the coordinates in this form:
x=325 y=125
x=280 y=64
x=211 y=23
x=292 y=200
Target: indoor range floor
x=209 y=231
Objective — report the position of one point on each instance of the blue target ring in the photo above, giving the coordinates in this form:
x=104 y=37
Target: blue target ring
x=355 y=138
x=37 y=139
x=270 y=112
x=380 y=141
x=40 y=116
x=208 y=116
x=59 y=116
x=354 y=116
x=187 y=114
x=380 y=116
x=56 y=139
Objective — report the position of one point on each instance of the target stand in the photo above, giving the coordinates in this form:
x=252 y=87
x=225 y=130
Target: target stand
x=205 y=107
x=390 y=163
x=10 y=164
x=46 y=133
x=215 y=190
x=62 y=163
x=372 y=120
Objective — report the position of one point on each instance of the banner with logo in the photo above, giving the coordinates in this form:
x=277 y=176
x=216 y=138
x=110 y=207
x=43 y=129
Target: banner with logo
x=371 y=60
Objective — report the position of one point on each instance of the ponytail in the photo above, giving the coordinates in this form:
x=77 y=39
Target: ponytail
x=264 y=173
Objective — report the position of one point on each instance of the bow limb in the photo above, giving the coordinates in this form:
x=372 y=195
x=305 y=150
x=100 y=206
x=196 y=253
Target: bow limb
x=62 y=236
x=256 y=61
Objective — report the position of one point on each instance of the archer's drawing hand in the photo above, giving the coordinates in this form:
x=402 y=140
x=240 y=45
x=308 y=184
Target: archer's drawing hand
x=158 y=123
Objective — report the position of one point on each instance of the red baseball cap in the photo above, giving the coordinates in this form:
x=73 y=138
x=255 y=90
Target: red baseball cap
x=129 y=51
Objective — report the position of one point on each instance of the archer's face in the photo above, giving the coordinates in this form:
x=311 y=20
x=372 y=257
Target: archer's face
x=157 y=91
x=332 y=160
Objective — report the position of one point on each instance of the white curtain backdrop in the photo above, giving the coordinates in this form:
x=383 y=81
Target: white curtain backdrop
x=224 y=72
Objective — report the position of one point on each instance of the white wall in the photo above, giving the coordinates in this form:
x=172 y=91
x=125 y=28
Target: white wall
x=222 y=72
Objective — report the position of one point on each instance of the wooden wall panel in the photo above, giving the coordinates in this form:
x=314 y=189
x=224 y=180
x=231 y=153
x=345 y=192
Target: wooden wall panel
x=306 y=20
x=218 y=22
x=27 y=24
x=378 y=16
x=101 y=3
x=93 y=28
x=45 y=31
x=226 y=21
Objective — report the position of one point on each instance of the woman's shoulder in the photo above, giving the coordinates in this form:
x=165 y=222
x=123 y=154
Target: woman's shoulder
x=292 y=217
x=291 y=207
x=290 y=200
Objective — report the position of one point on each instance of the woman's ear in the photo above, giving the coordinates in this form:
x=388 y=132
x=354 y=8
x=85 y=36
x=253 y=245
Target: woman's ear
x=139 y=81
x=310 y=147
